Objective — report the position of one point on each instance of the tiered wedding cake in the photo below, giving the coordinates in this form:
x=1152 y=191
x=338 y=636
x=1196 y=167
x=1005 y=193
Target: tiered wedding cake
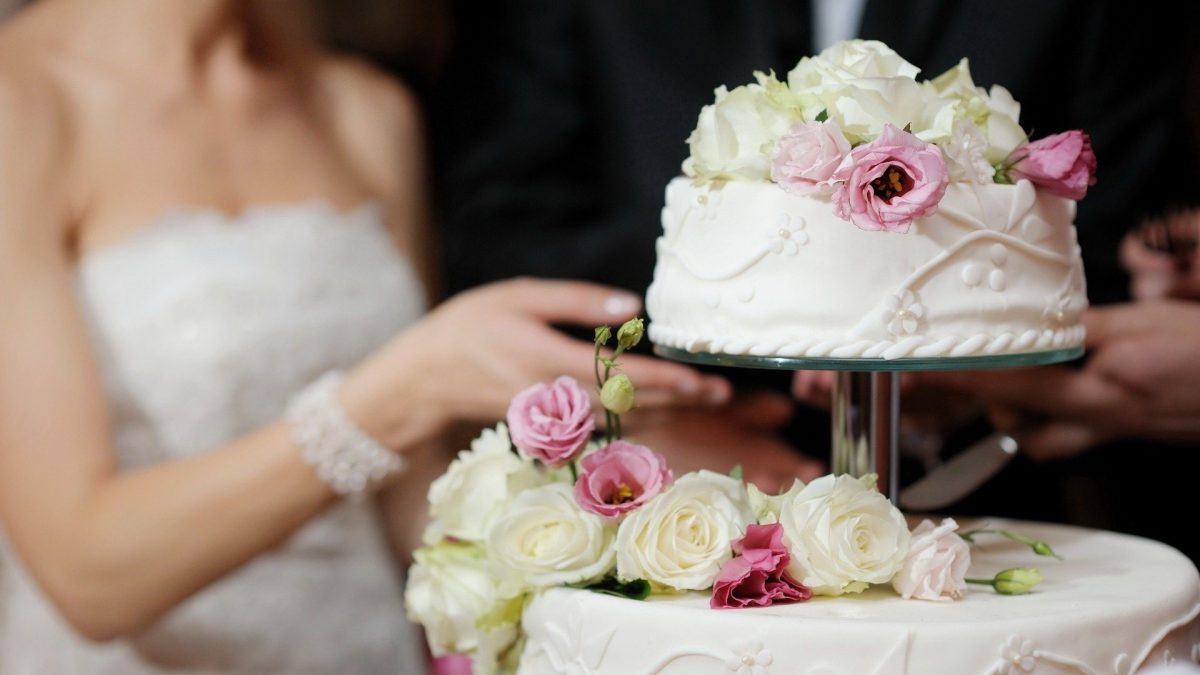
x=851 y=212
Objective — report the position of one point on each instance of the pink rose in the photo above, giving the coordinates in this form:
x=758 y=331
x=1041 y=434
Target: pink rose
x=1064 y=164
x=936 y=565
x=806 y=157
x=551 y=422
x=620 y=478
x=757 y=575
x=890 y=182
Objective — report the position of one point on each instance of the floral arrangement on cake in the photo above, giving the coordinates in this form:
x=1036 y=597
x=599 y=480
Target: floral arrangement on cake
x=853 y=124
x=540 y=502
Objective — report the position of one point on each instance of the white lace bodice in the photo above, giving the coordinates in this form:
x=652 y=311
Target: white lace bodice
x=204 y=326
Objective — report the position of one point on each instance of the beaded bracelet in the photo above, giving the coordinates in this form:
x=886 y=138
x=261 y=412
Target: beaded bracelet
x=343 y=455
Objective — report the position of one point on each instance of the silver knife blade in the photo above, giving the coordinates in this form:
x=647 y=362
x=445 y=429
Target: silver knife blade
x=947 y=483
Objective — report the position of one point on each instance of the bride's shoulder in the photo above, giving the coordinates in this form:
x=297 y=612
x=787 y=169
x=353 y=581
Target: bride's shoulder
x=376 y=116
x=35 y=123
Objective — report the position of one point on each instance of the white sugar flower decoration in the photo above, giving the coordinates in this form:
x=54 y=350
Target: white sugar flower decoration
x=749 y=658
x=902 y=313
x=966 y=154
x=1017 y=656
x=788 y=236
x=1058 y=311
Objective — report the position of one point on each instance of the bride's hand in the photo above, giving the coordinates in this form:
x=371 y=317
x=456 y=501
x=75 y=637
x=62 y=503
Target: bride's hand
x=472 y=354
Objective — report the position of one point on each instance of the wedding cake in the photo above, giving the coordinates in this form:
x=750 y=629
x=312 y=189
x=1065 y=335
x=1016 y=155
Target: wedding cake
x=854 y=211
x=849 y=212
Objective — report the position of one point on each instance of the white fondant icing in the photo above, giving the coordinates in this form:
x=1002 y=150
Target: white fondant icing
x=1115 y=602
x=832 y=296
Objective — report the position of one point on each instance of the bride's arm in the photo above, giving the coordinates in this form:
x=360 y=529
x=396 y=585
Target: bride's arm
x=114 y=550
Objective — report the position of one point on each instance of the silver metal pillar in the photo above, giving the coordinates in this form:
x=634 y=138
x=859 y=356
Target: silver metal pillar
x=866 y=416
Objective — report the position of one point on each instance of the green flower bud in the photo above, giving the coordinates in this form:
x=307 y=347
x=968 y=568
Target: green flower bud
x=1017 y=580
x=617 y=394
x=630 y=333
x=1042 y=548
x=602 y=335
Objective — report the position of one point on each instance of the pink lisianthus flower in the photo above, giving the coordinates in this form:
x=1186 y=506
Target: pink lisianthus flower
x=551 y=422
x=1063 y=164
x=890 y=182
x=806 y=157
x=619 y=478
x=757 y=575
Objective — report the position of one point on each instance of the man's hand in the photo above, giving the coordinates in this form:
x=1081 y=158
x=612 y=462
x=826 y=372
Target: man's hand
x=1141 y=381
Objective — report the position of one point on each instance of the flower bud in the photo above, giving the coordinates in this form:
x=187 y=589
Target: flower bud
x=1017 y=580
x=630 y=333
x=603 y=333
x=617 y=394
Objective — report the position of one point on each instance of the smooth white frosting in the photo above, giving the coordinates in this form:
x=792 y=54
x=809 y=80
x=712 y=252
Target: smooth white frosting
x=1115 y=604
x=747 y=268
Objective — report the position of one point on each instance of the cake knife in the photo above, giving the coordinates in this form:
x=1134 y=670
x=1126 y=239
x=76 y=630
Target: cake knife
x=947 y=483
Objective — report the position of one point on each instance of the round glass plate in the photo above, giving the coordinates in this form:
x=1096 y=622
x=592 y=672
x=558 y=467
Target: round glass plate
x=871 y=365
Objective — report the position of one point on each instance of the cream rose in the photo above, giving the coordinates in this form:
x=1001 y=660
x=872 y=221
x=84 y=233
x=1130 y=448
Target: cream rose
x=995 y=112
x=544 y=538
x=734 y=135
x=843 y=535
x=936 y=565
x=863 y=86
x=465 y=499
x=450 y=590
x=681 y=538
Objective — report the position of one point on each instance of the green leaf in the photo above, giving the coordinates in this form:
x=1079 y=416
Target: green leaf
x=638 y=589
x=823 y=115
x=908 y=128
x=737 y=472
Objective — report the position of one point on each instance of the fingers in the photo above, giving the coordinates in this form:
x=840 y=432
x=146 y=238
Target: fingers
x=1058 y=440
x=574 y=302
x=1152 y=273
x=813 y=388
x=662 y=383
x=766 y=410
x=1053 y=390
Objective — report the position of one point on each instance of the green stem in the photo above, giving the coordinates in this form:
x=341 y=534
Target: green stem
x=617 y=422
x=981 y=582
x=1039 y=547
x=596 y=365
x=574 y=472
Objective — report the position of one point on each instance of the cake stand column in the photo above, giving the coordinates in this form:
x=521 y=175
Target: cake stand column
x=866 y=414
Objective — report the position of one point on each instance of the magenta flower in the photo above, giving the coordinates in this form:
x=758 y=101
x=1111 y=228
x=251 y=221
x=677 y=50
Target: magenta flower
x=757 y=575
x=890 y=182
x=620 y=478
x=1063 y=164
x=551 y=422
x=806 y=157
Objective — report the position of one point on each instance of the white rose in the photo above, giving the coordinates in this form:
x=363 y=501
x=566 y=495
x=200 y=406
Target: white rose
x=734 y=136
x=465 y=499
x=936 y=565
x=450 y=590
x=682 y=537
x=543 y=538
x=864 y=85
x=843 y=535
x=995 y=112
x=966 y=154
x=850 y=60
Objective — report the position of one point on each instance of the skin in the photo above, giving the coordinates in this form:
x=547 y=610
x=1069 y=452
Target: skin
x=112 y=113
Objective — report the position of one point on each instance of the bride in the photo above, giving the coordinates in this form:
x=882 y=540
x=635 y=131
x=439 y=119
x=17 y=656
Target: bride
x=204 y=219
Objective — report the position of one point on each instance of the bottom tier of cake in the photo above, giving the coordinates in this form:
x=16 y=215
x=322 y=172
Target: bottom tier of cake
x=1114 y=605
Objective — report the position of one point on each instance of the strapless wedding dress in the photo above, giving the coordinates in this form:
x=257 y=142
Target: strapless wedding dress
x=204 y=325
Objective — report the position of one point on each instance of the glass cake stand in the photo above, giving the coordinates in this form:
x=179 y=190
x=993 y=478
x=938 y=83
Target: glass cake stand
x=866 y=398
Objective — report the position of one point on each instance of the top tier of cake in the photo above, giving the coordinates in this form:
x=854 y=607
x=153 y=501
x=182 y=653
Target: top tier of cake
x=747 y=268
x=854 y=211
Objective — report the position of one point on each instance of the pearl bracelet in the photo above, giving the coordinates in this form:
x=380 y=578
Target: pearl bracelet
x=342 y=454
